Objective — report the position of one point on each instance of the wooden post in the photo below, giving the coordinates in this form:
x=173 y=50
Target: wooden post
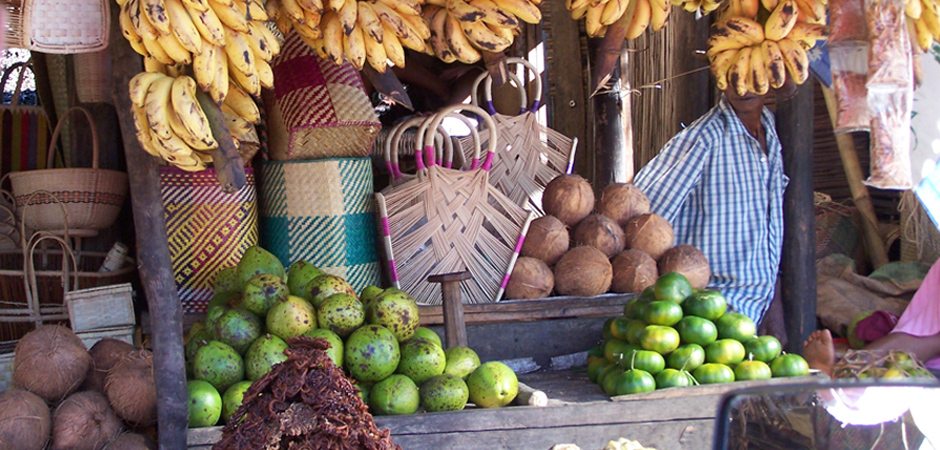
x=795 y=128
x=613 y=160
x=853 y=174
x=153 y=256
x=455 y=330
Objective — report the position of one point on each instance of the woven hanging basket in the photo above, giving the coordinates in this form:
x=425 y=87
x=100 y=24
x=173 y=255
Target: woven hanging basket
x=58 y=26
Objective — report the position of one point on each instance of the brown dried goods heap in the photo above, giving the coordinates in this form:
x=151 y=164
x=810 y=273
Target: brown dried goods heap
x=303 y=403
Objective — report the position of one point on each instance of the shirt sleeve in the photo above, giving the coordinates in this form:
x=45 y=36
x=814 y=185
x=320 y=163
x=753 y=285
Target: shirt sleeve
x=669 y=178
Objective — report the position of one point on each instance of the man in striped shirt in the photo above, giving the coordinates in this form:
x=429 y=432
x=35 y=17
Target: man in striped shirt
x=720 y=184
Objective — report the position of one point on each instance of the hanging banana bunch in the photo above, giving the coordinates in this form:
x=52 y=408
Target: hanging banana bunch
x=600 y=14
x=754 y=58
x=923 y=21
x=377 y=32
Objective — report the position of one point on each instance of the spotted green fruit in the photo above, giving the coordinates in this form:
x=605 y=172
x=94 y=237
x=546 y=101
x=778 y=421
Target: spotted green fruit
x=324 y=286
x=428 y=335
x=369 y=294
x=291 y=318
x=396 y=311
x=238 y=328
x=226 y=281
x=371 y=353
x=263 y=355
x=262 y=292
x=232 y=398
x=493 y=385
x=299 y=275
x=461 y=361
x=395 y=395
x=444 y=393
x=256 y=261
x=205 y=404
x=341 y=313
x=421 y=360
x=335 y=352
x=219 y=364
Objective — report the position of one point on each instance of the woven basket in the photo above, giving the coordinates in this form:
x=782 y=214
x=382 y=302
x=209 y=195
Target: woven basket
x=444 y=220
x=207 y=229
x=24 y=129
x=320 y=109
x=92 y=197
x=321 y=211
x=442 y=148
x=58 y=26
x=93 y=77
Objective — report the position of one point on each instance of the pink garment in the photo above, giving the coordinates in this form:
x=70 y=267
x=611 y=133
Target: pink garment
x=922 y=316
x=876 y=326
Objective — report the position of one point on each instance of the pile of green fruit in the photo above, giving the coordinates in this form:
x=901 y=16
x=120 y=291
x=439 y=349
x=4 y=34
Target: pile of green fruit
x=674 y=336
x=258 y=306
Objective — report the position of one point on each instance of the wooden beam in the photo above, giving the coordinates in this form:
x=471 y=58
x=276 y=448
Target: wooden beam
x=608 y=305
x=153 y=256
x=874 y=246
x=613 y=160
x=795 y=128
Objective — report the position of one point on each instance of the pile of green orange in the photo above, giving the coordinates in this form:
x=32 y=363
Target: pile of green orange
x=674 y=336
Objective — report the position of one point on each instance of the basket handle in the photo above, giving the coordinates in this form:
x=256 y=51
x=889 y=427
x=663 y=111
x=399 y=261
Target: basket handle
x=474 y=134
x=393 y=142
x=427 y=142
x=523 y=96
x=536 y=80
x=490 y=126
x=15 y=101
x=58 y=129
x=67 y=256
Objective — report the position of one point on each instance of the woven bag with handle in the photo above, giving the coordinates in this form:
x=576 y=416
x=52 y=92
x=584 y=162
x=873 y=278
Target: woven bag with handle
x=24 y=129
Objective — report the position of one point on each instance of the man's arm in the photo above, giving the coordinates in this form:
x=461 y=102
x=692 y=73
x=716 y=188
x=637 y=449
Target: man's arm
x=669 y=178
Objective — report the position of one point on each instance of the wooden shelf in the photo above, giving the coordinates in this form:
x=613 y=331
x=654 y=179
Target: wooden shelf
x=606 y=305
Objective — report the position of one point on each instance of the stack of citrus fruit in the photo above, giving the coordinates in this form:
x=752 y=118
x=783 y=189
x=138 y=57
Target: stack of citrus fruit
x=674 y=336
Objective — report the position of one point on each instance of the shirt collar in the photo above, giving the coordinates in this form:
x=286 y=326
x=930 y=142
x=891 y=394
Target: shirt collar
x=737 y=127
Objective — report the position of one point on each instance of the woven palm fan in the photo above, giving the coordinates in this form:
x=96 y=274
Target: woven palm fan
x=530 y=155
x=445 y=220
x=442 y=147
x=501 y=120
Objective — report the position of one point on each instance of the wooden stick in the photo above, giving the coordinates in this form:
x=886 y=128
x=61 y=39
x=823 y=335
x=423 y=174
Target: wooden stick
x=529 y=396
x=229 y=167
x=455 y=330
x=153 y=255
x=853 y=173
x=608 y=53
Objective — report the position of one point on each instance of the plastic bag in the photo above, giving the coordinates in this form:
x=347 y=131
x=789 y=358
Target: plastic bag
x=849 y=62
x=847 y=21
x=890 y=94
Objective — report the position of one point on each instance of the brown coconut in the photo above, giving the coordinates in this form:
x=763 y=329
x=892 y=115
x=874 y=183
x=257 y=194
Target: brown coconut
x=531 y=278
x=131 y=389
x=131 y=441
x=547 y=240
x=24 y=420
x=633 y=271
x=622 y=202
x=51 y=362
x=104 y=355
x=689 y=261
x=650 y=233
x=84 y=421
x=570 y=198
x=601 y=233
x=583 y=271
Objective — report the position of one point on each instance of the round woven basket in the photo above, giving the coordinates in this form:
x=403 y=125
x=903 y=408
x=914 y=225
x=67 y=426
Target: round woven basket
x=92 y=197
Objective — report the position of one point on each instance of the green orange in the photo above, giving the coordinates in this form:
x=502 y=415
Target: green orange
x=662 y=312
x=633 y=382
x=724 y=351
x=713 y=373
x=736 y=326
x=646 y=360
x=705 y=304
x=687 y=357
x=673 y=287
x=789 y=365
x=752 y=370
x=659 y=339
x=696 y=330
x=673 y=378
x=763 y=348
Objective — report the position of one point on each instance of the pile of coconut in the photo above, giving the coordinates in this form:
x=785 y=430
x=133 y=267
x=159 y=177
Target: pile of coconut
x=67 y=397
x=586 y=248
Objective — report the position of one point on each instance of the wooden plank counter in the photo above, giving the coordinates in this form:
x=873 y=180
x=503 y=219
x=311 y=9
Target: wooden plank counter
x=578 y=412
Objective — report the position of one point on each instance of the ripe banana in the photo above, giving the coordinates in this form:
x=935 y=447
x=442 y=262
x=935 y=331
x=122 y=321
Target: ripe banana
x=807 y=34
x=183 y=27
x=140 y=84
x=524 y=10
x=220 y=82
x=157 y=105
x=186 y=107
x=483 y=38
x=913 y=9
x=464 y=11
x=393 y=48
x=493 y=15
x=640 y=20
x=781 y=20
x=776 y=67
x=155 y=13
x=746 y=31
x=375 y=53
x=659 y=13
x=348 y=16
x=142 y=130
x=332 y=30
x=738 y=72
x=242 y=104
x=592 y=20
x=209 y=26
x=760 y=82
x=172 y=47
x=458 y=42
x=795 y=59
x=249 y=82
x=613 y=10
x=369 y=22
x=354 y=48
x=720 y=65
x=438 y=44
x=231 y=16
x=239 y=52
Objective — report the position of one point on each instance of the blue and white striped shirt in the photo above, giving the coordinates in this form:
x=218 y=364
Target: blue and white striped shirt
x=722 y=194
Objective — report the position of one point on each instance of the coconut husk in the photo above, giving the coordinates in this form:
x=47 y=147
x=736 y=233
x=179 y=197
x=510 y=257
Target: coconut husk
x=51 y=362
x=688 y=261
x=546 y=240
x=584 y=272
x=570 y=198
x=131 y=389
x=634 y=271
x=105 y=354
x=303 y=402
x=25 y=422
x=600 y=232
x=622 y=202
x=531 y=278
x=650 y=233
x=84 y=421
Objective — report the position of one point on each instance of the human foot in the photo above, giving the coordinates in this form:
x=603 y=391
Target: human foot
x=819 y=351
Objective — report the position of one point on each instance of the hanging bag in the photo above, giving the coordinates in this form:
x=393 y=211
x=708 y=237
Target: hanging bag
x=24 y=129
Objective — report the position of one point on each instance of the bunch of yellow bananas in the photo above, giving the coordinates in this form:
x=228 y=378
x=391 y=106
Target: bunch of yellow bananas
x=377 y=32
x=223 y=40
x=639 y=14
x=461 y=29
x=703 y=6
x=923 y=21
x=754 y=58
x=172 y=125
